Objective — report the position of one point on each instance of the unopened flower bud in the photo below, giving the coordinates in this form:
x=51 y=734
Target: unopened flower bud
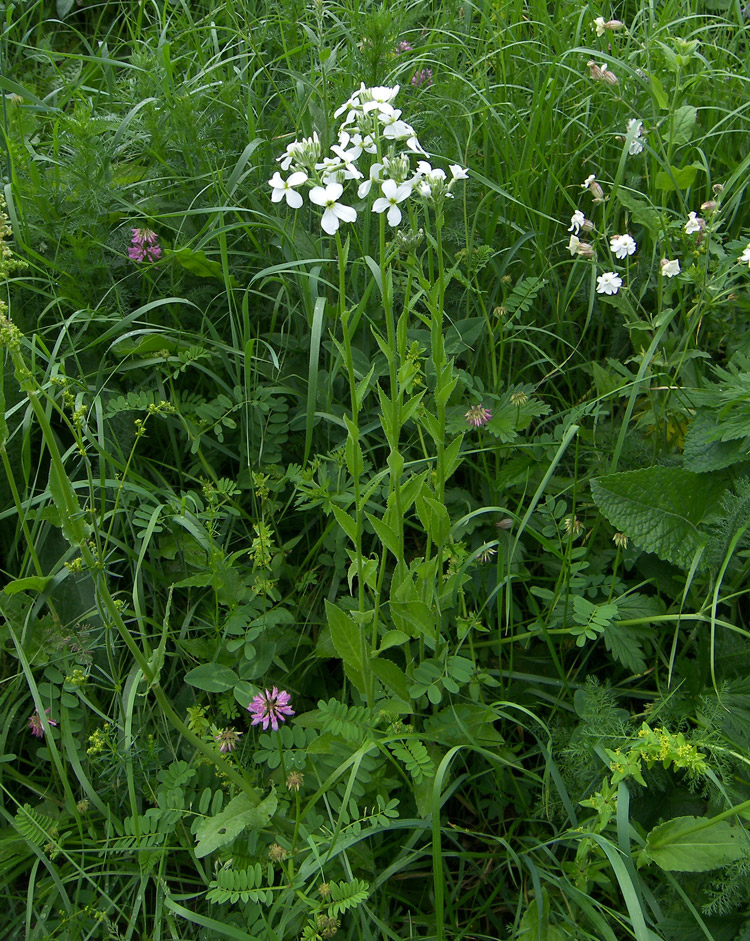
x=709 y=206
x=588 y=225
x=585 y=250
x=717 y=188
x=505 y=523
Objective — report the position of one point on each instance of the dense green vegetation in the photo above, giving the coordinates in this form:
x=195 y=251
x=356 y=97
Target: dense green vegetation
x=374 y=520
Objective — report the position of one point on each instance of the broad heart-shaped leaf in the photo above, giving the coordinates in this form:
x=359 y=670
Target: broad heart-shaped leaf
x=239 y=814
x=686 y=844
x=212 y=677
x=660 y=508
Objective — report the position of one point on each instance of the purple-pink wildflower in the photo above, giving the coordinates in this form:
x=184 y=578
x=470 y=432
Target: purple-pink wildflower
x=270 y=708
x=35 y=723
x=144 y=245
x=403 y=46
x=228 y=739
x=423 y=77
x=478 y=416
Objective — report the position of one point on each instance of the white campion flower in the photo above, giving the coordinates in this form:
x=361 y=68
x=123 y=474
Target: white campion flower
x=573 y=244
x=745 y=256
x=622 y=245
x=600 y=25
x=636 y=145
x=694 y=223
x=284 y=189
x=608 y=283
x=393 y=194
x=576 y=221
x=335 y=213
x=670 y=269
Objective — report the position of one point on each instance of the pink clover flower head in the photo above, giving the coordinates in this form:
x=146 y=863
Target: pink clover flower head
x=423 y=77
x=477 y=416
x=227 y=739
x=144 y=246
x=270 y=708
x=35 y=723
x=403 y=46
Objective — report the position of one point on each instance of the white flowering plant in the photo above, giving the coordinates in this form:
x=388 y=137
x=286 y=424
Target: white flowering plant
x=375 y=150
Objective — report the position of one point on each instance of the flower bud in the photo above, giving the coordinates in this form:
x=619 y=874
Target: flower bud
x=709 y=206
x=585 y=250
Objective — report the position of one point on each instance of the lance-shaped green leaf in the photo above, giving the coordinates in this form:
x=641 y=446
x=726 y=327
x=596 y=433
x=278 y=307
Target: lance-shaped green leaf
x=695 y=844
x=239 y=814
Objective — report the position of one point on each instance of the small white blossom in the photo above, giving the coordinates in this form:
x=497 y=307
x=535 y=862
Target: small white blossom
x=576 y=221
x=600 y=25
x=458 y=172
x=745 y=256
x=636 y=146
x=378 y=98
x=393 y=194
x=376 y=174
x=587 y=182
x=608 y=283
x=335 y=213
x=694 y=223
x=284 y=189
x=670 y=269
x=573 y=244
x=622 y=245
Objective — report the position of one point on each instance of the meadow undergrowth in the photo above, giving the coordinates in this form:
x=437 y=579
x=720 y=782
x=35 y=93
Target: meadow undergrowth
x=375 y=430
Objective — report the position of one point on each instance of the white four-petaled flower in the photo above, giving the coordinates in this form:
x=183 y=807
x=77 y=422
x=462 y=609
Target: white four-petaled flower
x=284 y=189
x=622 y=245
x=393 y=194
x=608 y=283
x=745 y=256
x=335 y=212
x=458 y=172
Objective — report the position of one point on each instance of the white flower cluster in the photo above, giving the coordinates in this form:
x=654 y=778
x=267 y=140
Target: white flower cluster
x=622 y=246
x=371 y=126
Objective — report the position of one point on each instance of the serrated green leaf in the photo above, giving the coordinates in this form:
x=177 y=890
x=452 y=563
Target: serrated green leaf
x=391 y=676
x=688 y=844
x=660 y=508
x=681 y=125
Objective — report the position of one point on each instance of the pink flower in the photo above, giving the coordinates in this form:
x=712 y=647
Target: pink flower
x=478 y=416
x=228 y=739
x=403 y=46
x=423 y=77
x=270 y=707
x=35 y=723
x=144 y=246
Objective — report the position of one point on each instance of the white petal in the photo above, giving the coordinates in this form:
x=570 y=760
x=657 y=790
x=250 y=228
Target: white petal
x=293 y=199
x=345 y=213
x=380 y=205
x=394 y=216
x=330 y=222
